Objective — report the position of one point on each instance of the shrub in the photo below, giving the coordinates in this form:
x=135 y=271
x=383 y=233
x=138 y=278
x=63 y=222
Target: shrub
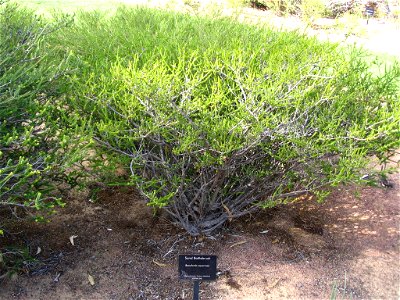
x=337 y=8
x=285 y=7
x=312 y=9
x=36 y=150
x=217 y=119
x=33 y=151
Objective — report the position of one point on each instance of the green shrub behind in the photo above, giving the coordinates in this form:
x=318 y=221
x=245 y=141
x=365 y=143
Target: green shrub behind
x=284 y=7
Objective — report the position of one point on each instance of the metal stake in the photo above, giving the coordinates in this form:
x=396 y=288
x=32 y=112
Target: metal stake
x=196 y=289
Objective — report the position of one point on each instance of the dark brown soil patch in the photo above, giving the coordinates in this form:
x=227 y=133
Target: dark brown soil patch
x=295 y=251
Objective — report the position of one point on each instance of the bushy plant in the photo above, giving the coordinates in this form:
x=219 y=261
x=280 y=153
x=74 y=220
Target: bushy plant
x=217 y=119
x=33 y=149
x=337 y=8
x=312 y=9
x=284 y=7
x=38 y=140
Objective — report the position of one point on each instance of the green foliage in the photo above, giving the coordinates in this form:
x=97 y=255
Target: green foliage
x=15 y=260
x=33 y=151
x=216 y=118
x=312 y=9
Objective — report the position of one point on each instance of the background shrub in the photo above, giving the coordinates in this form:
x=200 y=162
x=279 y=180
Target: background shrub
x=313 y=9
x=338 y=8
x=216 y=119
x=285 y=7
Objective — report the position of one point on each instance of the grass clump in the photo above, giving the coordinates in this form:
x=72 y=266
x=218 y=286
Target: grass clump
x=216 y=119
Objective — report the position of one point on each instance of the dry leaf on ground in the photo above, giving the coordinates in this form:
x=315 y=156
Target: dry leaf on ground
x=160 y=264
x=237 y=244
x=91 y=279
x=71 y=239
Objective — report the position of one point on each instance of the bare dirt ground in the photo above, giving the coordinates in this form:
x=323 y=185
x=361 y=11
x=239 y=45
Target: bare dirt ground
x=305 y=250
x=298 y=251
